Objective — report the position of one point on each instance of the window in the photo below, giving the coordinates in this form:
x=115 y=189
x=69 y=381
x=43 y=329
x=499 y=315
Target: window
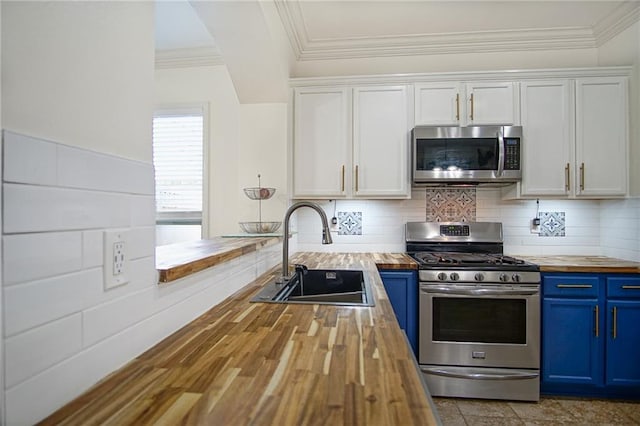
x=178 y=159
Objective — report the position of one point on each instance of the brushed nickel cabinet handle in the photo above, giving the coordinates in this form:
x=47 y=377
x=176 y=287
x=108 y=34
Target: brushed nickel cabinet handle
x=574 y=286
x=615 y=322
x=631 y=287
x=342 y=186
x=356 y=178
x=457 y=106
x=472 y=107
x=567 y=177
x=582 y=177
x=597 y=314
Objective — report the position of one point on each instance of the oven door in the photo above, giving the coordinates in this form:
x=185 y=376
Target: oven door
x=492 y=325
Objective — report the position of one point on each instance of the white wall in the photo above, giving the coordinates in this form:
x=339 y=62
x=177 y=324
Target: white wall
x=211 y=85
x=77 y=86
x=80 y=73
x=244 y=140
x=620 y=228
x=63 y=331
x=383 y=224
x=624 y=49
x=263 y=150
x=2 y=410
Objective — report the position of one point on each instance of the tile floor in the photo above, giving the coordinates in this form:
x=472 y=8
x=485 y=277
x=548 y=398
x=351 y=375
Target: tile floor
x=549 y=411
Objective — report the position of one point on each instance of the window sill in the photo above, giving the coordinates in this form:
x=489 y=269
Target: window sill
x=180 y=260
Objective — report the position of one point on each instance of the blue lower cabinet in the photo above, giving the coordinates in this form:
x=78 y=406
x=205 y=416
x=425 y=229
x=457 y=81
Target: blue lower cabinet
x=623 y=343
x=591 y=335
x=570 y=341
x=402 y=289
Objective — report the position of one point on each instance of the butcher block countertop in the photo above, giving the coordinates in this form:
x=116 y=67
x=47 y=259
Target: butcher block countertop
x=593 y=264
x=179 y=260
x=272 y=364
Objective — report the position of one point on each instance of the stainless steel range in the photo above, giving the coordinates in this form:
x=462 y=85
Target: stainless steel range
x=479 y=312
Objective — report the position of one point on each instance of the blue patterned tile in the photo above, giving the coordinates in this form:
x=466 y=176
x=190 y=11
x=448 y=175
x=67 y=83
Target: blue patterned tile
x=350 y=223
x=552 y=224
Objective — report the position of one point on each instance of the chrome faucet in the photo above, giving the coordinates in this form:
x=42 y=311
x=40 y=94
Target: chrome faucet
x=326 y=235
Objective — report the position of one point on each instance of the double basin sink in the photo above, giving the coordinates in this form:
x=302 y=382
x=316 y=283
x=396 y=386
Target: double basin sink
x=320 y=286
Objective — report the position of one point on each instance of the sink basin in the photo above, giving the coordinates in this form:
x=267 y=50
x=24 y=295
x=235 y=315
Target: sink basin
x=320 y=286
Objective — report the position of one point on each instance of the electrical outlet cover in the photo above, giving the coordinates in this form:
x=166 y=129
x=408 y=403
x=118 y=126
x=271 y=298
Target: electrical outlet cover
x=116 y=262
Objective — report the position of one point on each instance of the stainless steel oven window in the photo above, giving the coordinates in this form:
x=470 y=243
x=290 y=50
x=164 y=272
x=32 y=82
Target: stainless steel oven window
x=479 y=320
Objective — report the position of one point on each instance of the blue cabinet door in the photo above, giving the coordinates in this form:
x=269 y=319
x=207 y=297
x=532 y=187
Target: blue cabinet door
x=402 y=289
x=571 y=341
x=623 y=343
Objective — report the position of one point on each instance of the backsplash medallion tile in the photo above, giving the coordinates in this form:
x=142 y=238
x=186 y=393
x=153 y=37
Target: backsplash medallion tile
x=451 y=205
x=552 y=224
x=350 y=223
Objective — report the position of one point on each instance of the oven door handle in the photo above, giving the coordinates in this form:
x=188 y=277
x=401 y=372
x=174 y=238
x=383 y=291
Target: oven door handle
x=478 y=376
x=479 y=291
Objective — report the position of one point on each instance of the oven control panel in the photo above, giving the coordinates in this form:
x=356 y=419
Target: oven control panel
x=454 y=230
x=467 y=276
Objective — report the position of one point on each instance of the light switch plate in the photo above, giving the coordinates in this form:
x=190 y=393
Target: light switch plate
x=116 y=260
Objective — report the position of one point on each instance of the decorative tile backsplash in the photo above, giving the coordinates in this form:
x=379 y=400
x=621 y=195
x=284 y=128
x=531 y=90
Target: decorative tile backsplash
x=552 y=224
x=451 y=205
x=350 y=223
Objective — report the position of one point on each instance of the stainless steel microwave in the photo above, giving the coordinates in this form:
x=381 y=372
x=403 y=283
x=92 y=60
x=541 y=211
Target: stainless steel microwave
x=466 y=155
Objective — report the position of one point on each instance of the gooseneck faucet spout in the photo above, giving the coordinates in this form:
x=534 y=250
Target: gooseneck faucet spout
x=326 y=234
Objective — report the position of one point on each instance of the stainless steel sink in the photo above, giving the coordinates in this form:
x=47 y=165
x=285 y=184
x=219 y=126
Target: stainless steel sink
x=320 y=286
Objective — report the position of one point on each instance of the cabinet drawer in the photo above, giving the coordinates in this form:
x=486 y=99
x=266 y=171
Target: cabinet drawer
x=570 y=285
x=623 y=287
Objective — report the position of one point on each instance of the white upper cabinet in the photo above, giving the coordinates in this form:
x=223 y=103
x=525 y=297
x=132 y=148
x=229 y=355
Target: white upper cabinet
x=322 y=149
x=466 y=104
x=381 y=137
x=351 y=142
x=438 y=104
x=581 y=157
x=601 y=137
x=547 y=146
x=492 y=103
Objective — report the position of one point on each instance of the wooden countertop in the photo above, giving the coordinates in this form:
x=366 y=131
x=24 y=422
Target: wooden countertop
x=179 y=260
x=593 y=264
x=260 y=363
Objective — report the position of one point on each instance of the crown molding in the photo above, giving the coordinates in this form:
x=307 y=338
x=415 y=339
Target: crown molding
x=305 y=48
x=618 y=21
x=188 y=57
x=497 y=75
x=433 y=44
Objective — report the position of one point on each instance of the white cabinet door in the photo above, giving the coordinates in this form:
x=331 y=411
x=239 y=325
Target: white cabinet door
x=547 y=143
x=322 y=142
x=492 y=103
x=380 y=142
x=601 y=136
x=438 y=104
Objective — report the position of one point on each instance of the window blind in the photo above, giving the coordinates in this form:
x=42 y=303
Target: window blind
x=178 y=161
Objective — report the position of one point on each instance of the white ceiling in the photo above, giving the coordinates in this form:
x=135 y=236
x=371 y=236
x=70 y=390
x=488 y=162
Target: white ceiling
x=326 y=29
x=276 y=36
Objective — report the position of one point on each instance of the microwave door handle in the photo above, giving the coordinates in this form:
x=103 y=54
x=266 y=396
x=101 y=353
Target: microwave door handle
x=500 y=152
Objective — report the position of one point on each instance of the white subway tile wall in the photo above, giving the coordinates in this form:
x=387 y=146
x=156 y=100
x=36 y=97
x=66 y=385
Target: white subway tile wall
x=620 y=228
x=592 y=227
x=62 y=331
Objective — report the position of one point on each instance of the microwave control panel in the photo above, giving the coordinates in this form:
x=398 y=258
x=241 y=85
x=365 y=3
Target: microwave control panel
x=512 y=154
